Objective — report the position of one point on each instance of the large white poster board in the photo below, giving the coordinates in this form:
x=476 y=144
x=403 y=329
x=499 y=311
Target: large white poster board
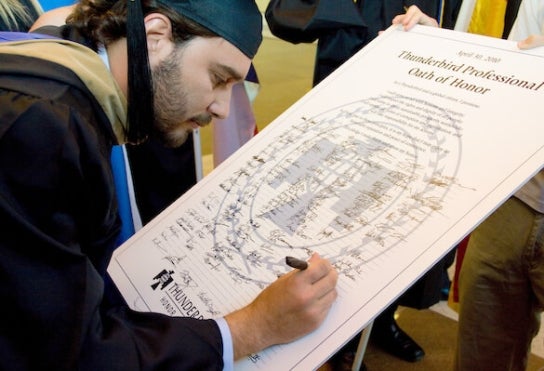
x=381 y=168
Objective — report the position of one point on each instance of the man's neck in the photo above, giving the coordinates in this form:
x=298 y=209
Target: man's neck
x=118 y=63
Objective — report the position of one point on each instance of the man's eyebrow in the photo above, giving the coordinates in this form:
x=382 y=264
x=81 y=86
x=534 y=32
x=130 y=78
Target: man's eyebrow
x=231 y=72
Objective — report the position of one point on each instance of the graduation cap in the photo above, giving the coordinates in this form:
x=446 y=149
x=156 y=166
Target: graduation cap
x=237 y=21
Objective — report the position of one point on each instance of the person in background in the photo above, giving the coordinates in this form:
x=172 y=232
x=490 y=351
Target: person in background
x=501 y=279
x=58 y=203
x=18 y=15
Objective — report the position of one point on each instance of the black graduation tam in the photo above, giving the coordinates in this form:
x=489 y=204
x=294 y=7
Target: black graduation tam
x=238 y=21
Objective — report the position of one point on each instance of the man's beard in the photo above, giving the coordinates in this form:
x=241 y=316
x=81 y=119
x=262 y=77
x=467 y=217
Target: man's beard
x=170 y=103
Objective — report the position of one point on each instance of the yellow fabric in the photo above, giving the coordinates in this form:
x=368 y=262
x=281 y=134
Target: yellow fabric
x=488 y=17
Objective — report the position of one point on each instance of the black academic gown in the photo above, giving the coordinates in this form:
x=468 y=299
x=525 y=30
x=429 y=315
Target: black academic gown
x=59 y=220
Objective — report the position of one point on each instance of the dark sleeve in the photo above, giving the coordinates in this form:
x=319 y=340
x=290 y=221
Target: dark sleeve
x=59 y=224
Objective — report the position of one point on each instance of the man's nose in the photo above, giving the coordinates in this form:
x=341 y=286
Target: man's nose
x=220 y=107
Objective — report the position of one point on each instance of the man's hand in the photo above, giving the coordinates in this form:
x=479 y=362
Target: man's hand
x=531 y=42
x=291 y=307
x=412 y=17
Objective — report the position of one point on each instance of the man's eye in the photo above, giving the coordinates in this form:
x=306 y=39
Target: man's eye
x=219 y=81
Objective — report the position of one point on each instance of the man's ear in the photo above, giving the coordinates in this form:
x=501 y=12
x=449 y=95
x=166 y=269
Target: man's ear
x=158 y=29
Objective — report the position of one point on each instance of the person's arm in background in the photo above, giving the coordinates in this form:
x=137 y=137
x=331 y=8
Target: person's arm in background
x=54 y=17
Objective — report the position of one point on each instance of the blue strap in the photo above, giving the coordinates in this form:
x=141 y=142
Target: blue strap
x=121 y=186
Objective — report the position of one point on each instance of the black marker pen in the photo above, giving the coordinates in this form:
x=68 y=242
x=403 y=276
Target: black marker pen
x=296 y=263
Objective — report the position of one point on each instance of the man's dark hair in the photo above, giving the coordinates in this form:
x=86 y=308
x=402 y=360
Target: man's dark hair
x=105 y=21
